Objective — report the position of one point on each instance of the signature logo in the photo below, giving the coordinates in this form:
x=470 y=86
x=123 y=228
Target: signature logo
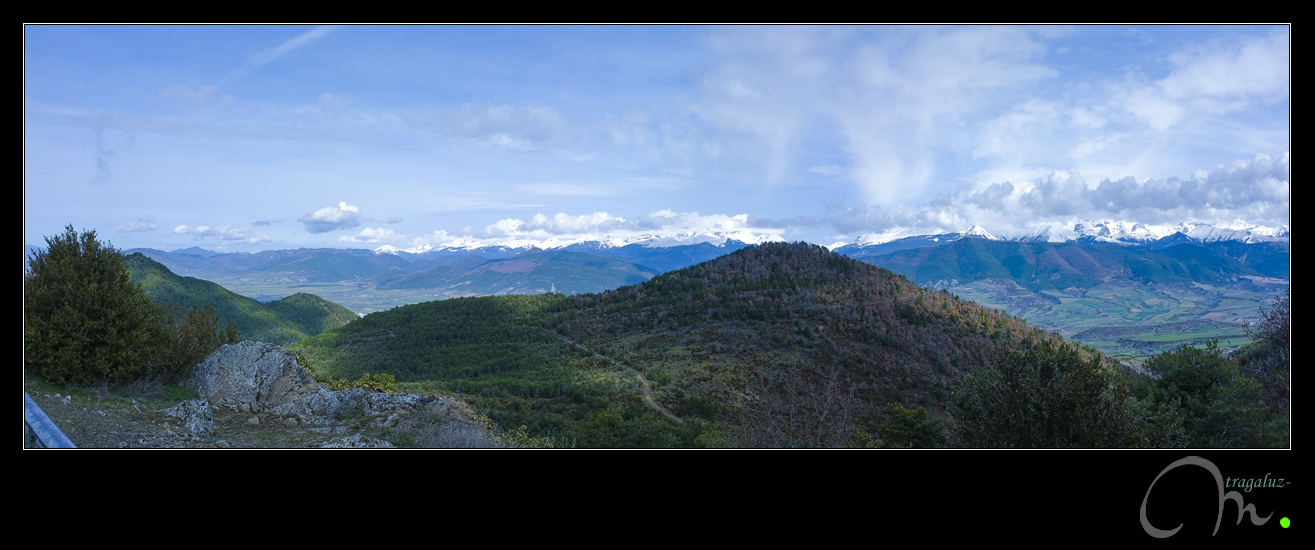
x=1219 y=479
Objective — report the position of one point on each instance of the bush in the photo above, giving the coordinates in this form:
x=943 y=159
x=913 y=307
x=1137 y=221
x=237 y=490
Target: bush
x=1220 y=406
x=1048 y=396
x=911 y=429
x=384 y=382
x=85 y=321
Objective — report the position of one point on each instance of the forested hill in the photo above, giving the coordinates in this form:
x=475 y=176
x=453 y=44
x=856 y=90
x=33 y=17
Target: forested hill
x=736 y=343
x=278 y=322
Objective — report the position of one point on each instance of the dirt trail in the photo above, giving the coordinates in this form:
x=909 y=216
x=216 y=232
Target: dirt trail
x=648 y=392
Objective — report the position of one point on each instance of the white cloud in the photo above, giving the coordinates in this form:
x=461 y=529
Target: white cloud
x=1017 y=128
x=221 y=232
x=525 y=128
x=1254 y=69
x=368 y=235
x=1215 y=77
x=330 y=218
x=662 y=222
x=1257 y=191
x=431 y=241
x=895 y=95
x=301 y=41
x=143 y=225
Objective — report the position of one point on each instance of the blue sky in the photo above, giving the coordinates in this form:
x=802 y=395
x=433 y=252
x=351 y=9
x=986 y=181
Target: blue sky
x=247 y=138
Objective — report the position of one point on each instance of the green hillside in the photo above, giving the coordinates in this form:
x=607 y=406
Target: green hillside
x=775 y=345
x=280 y=322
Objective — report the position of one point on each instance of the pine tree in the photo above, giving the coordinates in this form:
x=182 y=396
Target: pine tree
x=84 y=318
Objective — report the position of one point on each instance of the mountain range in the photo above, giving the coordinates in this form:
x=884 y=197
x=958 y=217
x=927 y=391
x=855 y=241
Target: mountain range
x=1119 y=233
x=469 y=267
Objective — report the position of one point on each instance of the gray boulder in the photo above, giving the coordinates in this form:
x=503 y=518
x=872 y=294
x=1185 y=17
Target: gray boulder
x=259 y=378
x=263 y=376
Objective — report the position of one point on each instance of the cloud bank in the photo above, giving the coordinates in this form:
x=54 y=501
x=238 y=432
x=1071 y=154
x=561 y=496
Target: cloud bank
x=1256 y=191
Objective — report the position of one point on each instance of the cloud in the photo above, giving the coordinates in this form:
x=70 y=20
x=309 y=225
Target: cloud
x=368 y=235
x=559 y=224
x=221 y=232
x=430 y=241
x=102 y=156
x=893 y=96
x=140 y=226
x=266 y=56
x=266 y=222
x=1214 y=78
x=827 y=170
x=1220 y=75
x=395 y=219
x=332 y=218
x=186 y=94
x=526 y=128
x=1257 y=191
x=601 y=223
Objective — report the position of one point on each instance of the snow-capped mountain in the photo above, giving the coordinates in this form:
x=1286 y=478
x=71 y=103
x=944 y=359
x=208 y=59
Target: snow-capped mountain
x=662 y=252
x=1099 y=231
x=869 y=245
x=592 y=242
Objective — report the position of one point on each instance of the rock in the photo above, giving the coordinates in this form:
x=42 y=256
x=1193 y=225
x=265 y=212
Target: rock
x=356 y=441
x=264 y=376
x=194 y=415
x=257 y=378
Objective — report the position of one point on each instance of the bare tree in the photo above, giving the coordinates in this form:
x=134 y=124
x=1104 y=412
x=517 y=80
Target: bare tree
x=1275 y=326
x=800 y=406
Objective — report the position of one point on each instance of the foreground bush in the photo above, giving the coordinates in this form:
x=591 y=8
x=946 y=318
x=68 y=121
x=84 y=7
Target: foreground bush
x=85 y=321
x=1220 y=406
x=1050 y=396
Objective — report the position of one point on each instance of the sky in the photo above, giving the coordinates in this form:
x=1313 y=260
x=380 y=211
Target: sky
x=249 y=138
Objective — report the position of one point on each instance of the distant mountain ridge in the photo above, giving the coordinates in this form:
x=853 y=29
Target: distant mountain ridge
x=1040 y=265
x=1121 y=233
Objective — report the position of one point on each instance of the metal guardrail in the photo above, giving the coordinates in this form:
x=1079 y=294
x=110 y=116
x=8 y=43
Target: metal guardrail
x=39 y=431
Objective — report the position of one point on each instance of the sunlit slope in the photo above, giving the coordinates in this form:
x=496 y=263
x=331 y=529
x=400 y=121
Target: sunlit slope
x=279 y=322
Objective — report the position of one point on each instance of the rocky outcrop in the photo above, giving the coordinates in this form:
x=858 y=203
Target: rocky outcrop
x=266 y=379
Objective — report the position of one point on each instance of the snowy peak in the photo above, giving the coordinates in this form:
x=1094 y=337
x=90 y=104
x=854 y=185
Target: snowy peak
x=1236 y=231
x=587 y=242
x=977 y=231
x=1100 y=231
